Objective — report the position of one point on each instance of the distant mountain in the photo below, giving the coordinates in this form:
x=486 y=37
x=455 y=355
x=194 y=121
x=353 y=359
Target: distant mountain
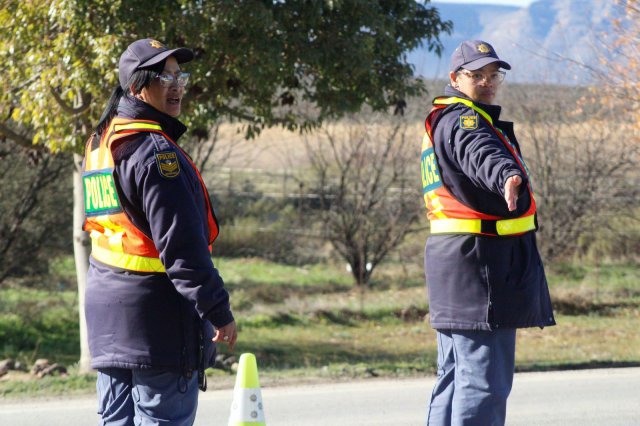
x=536 y=40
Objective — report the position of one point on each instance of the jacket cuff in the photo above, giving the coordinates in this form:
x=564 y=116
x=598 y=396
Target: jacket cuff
x=510 y=173
x=220 y=318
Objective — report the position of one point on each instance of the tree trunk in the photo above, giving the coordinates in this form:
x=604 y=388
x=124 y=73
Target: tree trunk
x=81 y=250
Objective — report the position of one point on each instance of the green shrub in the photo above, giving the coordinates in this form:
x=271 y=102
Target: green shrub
x=18 y=337
x=37 y=324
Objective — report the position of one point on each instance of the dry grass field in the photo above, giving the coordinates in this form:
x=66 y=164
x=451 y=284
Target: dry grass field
x=278 y=150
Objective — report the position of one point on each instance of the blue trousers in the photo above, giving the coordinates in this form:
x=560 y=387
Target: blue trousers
x=146 y=397
x=475 y=374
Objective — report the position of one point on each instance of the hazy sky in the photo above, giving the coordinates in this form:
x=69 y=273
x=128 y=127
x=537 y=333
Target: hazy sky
x=521 y=3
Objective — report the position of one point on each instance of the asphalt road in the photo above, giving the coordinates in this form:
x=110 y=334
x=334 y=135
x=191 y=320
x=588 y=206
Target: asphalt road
x=606 y=397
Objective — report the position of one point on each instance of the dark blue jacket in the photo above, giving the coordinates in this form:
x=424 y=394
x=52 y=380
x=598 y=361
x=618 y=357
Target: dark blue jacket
x=151 y=320
x=480 y=282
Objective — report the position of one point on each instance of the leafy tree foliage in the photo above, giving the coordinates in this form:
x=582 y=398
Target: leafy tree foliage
x=256 y=61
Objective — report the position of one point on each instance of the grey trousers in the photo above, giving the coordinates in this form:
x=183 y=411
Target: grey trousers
x=145 y=397
x=475 y=374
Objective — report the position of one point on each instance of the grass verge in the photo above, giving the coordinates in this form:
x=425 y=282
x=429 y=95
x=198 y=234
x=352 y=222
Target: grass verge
x=308 y=324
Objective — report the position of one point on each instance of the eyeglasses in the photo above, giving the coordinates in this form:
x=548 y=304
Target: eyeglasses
x=496 y=77
x=167 y=80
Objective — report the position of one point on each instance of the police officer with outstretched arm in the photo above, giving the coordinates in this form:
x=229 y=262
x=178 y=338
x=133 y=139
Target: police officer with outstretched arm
x=483 y=270
x=153 y=295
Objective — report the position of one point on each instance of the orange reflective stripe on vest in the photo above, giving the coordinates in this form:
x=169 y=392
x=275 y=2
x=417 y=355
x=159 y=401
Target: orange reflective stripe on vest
x=447 y=215
x=116 y=241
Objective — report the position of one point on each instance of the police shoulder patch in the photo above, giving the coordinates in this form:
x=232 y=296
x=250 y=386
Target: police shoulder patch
x=168 y=164
x=468 y=122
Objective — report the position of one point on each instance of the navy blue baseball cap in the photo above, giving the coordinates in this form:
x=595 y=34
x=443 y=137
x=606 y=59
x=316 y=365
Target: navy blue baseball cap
x=146 y=53
x=475 y=54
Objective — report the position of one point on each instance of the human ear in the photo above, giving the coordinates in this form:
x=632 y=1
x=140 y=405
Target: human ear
x=453 y=77
x=140 y=95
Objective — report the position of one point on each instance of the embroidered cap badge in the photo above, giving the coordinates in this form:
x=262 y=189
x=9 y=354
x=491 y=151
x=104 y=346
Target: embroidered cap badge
x=483 y=48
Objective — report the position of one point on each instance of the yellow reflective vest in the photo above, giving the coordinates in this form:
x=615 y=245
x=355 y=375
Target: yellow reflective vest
x=447 y=215
x=115 y=240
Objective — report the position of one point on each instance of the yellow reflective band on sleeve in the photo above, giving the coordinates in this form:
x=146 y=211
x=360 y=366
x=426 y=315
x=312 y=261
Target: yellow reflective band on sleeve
x=125 y=261
x=474 y=226
x=136 y=126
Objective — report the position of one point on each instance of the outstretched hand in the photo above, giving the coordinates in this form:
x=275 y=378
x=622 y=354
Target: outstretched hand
x=511 y=190
x=227 y=334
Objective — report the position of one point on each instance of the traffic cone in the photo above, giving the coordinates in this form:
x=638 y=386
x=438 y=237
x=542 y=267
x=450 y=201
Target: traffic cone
x=246 y=408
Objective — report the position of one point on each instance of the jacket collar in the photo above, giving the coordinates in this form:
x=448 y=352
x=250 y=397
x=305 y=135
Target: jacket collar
x=134 y=108
x=492 y=110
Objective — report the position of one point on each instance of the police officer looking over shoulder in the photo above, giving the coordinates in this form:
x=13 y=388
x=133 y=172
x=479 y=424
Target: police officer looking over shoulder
x=153 y=294
x=484 y=274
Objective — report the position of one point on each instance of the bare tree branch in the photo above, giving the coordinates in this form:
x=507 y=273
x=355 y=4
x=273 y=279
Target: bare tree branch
x=367 y=207
x=84 y=106
x=581 y=166
x=18 y=138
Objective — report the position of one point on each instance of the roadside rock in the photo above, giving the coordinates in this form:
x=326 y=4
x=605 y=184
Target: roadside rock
x=53 y=370
x=39 y=365
x=6 y=365
x=224 y=362
x=18 y=366
x=42 y=367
